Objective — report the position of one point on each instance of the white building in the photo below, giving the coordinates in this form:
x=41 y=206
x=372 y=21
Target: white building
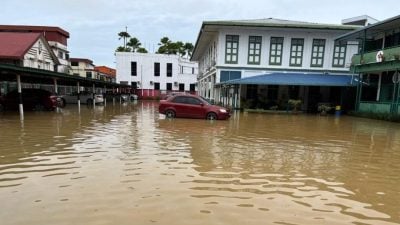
x=267 y=59
x=154 y=74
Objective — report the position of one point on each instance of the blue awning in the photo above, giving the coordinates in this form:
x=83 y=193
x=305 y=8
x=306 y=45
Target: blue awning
x=297 y=79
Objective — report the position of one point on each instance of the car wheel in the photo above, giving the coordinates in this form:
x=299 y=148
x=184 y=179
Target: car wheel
x=39 y=107
x=211 y=116
x=170 y=113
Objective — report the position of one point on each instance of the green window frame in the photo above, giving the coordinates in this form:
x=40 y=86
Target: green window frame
x=254 y=56
x=318 y=51
x=296 y=52
x=339 y=55
x=275 y=51
x=231 y=49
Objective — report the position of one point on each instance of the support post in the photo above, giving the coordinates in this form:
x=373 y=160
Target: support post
x=105 y=96
x=78 y=96
x=94 y=93
x=21 y=106
x=56 y=91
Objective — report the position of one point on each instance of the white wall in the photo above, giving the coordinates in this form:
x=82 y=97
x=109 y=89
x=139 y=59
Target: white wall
x=145 y=70
x=249 y=69
x=39 y=59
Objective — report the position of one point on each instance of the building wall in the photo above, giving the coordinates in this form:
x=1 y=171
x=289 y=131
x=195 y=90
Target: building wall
x=82 y=68
x=61 y=52
x=183 y=71
x=218 y=55
x=39 y=57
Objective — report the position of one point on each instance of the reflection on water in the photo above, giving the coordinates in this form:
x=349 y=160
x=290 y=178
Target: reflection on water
x=126 y=164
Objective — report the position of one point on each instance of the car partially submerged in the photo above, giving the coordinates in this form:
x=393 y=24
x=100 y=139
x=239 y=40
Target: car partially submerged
x=32 y=98
x=191 y=106
x=85 y=98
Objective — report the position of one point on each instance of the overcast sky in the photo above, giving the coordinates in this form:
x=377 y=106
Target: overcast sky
x=94 y=24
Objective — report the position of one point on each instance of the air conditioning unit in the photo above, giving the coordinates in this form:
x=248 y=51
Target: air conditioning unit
x=151 y=82
x=175 y=83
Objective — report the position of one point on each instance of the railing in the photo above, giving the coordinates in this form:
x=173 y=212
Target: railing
x=389 y=54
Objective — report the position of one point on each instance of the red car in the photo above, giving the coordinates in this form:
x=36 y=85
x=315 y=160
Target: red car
x=33 y=99
x=191 y=106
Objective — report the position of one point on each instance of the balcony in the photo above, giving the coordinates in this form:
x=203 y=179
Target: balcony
x=389 y=54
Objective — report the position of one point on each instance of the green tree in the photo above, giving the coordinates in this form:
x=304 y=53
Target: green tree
x=141 y=50
x=134 y=43
x=123 y=49
x=188 y=48
x=124 y=35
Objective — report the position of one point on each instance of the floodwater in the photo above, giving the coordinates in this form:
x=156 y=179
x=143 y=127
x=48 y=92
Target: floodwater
x=126 y=164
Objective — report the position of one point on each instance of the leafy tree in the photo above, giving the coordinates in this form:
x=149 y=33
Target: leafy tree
x=188 y=48
x=141 y=50
x=123 y=49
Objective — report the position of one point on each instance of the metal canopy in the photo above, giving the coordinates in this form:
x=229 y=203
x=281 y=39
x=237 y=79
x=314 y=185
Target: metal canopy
x=32 y=75
x=297 y=79
x=371 y=30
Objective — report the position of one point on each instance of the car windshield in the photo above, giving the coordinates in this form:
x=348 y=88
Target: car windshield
x=206 y=100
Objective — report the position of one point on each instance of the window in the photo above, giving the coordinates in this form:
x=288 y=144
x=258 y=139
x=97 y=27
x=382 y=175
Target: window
x=275 y=52
x=74 y=64
x=231 y=49
x=88 y=74
x=181 y=87
x=230 y=75
x=192 y=87
x=192 y=70
x=133 y=69
x=339 y=55
x=317 y=55
x=169 y=69
x=156 y=86
x=156 y=69
x=254 y=50
x=60 y=55
x=296 y=52
x=169 y=86
x=134 y=85
x=192 y=101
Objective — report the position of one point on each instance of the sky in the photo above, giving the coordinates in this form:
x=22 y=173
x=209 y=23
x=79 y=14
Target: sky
x=94 y=24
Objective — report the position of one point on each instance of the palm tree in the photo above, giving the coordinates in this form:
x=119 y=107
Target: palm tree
x=125 y=35
x=134 y=43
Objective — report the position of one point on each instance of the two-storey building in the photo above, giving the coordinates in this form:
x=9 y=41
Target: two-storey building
x=55 y=36
x=152 y=75
x=82 y=67
x=377 y=64
x=27 y=50
x=263 y=63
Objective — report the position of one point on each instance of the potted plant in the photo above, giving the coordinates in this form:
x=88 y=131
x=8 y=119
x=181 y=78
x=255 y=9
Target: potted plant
x=295 y=103
x=323 y=109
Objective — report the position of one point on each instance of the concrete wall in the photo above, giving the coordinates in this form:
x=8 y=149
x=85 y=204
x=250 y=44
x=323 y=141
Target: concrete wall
x=183 y=71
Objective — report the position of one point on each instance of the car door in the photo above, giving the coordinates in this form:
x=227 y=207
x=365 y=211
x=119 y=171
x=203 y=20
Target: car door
x=178 y=104
x=194 y=107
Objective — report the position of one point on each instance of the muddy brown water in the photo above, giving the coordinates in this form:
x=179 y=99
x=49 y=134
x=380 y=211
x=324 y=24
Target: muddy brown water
x=126 y=164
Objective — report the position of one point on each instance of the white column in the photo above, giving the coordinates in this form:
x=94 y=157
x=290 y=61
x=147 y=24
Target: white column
x=378 y=92
x=21 y=106
x=78 y=96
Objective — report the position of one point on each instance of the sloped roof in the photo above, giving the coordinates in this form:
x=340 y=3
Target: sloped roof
x=88 y=61
x=15 y=45
x=34 y=29
x=273 y=22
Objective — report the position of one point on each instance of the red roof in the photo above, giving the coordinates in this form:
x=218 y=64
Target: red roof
x=15 y=45
x=14 y=28
x=106 y=70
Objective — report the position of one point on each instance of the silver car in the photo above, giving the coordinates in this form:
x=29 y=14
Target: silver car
x=85 y=97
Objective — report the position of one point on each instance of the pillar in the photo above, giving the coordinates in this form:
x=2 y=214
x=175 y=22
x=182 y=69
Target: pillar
x=21 y=106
